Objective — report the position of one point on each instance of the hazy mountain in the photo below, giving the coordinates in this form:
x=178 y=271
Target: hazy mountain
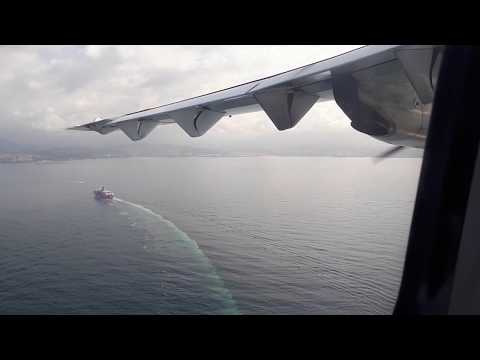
x=9 y=150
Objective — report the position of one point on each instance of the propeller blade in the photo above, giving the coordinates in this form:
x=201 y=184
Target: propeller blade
x=388 y=153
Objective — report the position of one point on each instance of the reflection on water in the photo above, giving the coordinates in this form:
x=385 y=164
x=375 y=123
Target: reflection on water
x=243 y=235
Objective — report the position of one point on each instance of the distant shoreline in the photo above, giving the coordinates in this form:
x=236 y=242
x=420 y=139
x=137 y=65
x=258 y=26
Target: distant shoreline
x=46 y=160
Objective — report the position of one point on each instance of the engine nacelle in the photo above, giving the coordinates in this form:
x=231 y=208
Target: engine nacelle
x=392 y=101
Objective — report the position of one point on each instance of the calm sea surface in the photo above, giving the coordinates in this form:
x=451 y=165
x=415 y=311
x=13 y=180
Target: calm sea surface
x=205 y=235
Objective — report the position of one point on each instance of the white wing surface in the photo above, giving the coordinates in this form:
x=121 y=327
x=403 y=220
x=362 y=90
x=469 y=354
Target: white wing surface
x=385 y=90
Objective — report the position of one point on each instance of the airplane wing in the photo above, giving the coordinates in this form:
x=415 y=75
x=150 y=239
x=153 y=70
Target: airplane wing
x=385 y=90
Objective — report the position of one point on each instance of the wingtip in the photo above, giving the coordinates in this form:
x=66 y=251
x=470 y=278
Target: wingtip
x=80 y=127
x=72 y=128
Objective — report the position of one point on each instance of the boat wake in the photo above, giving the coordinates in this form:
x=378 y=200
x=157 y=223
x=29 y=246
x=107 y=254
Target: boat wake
x=232 y=307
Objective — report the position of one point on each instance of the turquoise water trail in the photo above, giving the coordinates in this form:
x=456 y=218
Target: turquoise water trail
x=215 y=283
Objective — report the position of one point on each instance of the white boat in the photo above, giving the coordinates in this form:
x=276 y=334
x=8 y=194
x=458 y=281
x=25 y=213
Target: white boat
x=103 y=194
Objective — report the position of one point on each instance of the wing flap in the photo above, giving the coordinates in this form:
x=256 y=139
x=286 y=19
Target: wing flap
x=137 y=129
x=285 y=108
x=196 y=122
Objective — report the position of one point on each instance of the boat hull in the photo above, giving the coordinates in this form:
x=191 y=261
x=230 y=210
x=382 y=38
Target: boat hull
x=101 y=195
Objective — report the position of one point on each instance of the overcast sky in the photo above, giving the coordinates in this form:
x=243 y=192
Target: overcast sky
x=44 y=89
